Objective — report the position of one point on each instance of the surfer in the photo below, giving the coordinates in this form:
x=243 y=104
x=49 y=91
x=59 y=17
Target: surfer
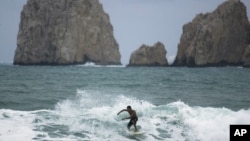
x=133 y=117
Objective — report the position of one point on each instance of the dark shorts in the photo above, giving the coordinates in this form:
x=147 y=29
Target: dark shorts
x=132 y=121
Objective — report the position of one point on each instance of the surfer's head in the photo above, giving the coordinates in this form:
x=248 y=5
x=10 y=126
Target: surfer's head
x=129 y=107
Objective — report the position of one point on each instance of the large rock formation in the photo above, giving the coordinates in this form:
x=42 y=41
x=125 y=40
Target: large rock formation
x=65 y=32
x=215 y=39
x=149 y=56
x=246 y=57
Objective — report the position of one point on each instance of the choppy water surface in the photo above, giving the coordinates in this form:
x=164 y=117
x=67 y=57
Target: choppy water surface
x=81 y=102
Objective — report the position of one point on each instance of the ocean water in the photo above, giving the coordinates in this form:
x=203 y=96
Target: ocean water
x=80 y=103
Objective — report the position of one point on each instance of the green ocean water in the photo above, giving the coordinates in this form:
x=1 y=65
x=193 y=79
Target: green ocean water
x=80 y=102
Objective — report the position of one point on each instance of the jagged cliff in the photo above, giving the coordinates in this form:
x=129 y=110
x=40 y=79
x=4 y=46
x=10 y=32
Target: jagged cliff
x=59 y=32
x=216 y=39
x=149 y=56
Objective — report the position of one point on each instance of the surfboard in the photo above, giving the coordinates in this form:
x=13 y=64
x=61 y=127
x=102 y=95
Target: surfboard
x=132 y=132
x=138 y=132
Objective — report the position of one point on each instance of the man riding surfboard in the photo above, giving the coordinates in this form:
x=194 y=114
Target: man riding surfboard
x=133 y=117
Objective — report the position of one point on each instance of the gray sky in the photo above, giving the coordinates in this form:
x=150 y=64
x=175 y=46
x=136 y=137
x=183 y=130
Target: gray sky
x=135 y=22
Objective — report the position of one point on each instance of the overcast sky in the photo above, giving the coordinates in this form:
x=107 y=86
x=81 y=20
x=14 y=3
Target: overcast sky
x=135 y=22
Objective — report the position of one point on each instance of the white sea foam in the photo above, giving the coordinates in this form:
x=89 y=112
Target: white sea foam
x=16 y=125
x=92 y=115
x=92 y=64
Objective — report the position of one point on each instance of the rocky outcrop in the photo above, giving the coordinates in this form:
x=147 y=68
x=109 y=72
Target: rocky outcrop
x=215 y=39
x=149 y=56
x=246 y=57
x=59 y=32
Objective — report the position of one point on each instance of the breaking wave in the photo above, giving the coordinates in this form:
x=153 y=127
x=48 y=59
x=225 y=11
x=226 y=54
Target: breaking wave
x=92 y=115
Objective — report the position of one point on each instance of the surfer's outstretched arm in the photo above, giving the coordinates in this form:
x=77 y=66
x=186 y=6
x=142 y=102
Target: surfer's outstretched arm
x=122 y=111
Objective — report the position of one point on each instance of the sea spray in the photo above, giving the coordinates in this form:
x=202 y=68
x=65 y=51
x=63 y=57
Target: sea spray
x=175 y=120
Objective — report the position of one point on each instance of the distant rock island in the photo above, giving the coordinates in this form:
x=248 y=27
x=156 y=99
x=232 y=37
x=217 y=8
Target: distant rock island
x=149 y=56
x=219 y=38
x=62 y=32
